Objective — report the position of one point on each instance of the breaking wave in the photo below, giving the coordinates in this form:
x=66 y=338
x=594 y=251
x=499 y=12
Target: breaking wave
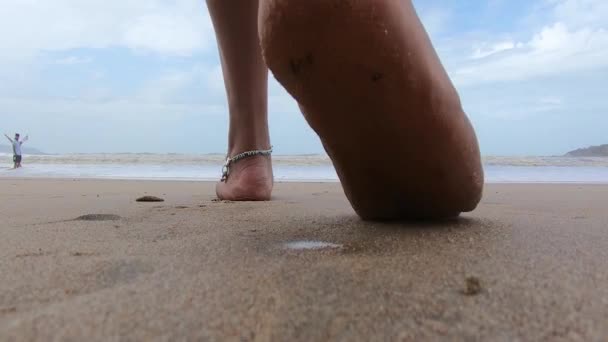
x=285 y=160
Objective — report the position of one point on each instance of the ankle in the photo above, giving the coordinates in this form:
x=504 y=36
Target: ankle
x=250 y=145
x=248 y=131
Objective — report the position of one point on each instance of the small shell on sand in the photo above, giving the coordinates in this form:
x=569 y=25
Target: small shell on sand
x=150 y=199
x=311 y=245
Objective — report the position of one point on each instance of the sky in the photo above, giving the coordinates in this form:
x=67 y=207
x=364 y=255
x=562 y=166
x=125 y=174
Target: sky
x=144 y=75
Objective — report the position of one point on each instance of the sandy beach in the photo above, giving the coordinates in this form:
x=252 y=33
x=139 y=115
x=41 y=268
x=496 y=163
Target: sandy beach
x=530 y=264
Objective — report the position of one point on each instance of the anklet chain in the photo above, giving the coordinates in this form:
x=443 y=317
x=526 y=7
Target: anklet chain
x=240 y=156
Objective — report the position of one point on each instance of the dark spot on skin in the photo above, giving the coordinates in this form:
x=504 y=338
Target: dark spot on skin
x=377 y=76
x=98 y=217
x=150 y=199
x=342 y=4
x=297 y=64
x=310 y=59
x=181 y=207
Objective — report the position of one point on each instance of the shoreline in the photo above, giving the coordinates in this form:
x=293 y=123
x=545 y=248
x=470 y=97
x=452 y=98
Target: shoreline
x=303 y=181
x=292 y=173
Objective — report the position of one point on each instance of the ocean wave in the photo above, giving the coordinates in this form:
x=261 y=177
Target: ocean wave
x=163 y=159
x=545 y=161
x=284 y=160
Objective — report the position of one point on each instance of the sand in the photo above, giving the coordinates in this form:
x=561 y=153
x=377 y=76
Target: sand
x=530 y=264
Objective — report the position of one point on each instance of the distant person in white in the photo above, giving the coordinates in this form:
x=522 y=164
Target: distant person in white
x=17 y=155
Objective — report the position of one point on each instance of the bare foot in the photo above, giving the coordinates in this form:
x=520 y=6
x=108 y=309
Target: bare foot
x=250 y=180
x=371 y=85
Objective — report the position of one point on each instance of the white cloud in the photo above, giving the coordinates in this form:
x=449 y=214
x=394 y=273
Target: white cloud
x=517 y=107
x=574 y=41
x=179 y=27
x=73 y=60
x=581 y=12
x=171 y=34
x=483 y=52
x=108 y=110
x=165 y=87
x=551 y=101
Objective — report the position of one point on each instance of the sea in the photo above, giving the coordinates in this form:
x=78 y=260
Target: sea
x=287 y=168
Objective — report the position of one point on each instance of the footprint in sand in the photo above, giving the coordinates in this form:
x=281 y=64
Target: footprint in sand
x=98 y=217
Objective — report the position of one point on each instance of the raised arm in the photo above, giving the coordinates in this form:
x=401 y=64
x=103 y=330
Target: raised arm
x=27 y=137
x=7 y=137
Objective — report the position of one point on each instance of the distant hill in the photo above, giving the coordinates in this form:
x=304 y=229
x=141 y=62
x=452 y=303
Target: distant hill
x=593 y=151
x=25 y=148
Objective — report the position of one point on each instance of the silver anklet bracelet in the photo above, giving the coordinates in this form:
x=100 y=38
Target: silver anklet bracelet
x=230 y=161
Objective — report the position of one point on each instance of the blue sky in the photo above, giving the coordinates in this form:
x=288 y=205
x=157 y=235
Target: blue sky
x=144 y=75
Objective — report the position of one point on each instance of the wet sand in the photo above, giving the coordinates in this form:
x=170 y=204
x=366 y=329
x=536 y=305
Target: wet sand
x=530 y=264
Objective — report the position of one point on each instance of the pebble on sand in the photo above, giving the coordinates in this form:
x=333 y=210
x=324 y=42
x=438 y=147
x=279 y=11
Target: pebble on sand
x=150 y=199
x=472 y=286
